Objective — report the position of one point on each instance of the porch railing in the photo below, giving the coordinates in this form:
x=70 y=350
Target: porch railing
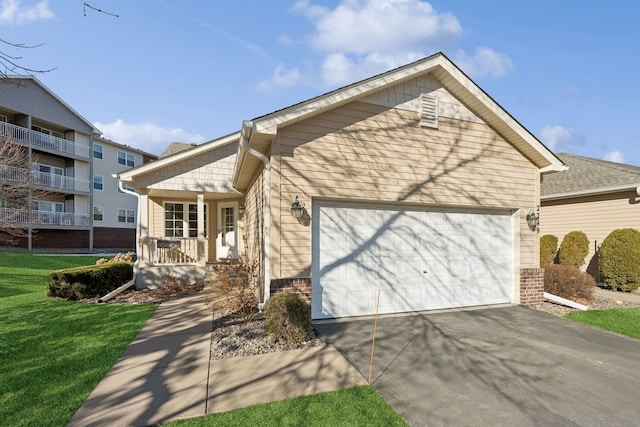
x=183 y=250
x=43 y=140
x=44 y=179
x=39 y=218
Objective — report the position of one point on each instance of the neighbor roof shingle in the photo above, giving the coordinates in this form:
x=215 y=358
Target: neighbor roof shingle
x=587 y=175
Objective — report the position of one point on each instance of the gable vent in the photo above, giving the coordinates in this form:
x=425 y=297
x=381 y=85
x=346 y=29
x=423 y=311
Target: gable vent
x=428 y=111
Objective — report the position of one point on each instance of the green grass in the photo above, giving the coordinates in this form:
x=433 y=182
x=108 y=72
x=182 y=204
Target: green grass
x=625 y=321
x=53 y=353
x=357 y=406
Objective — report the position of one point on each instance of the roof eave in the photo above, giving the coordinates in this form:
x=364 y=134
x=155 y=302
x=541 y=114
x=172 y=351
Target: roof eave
x=591 y=192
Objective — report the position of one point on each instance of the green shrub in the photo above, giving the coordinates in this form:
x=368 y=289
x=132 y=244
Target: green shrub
x=569 y=282
x=548 y=249
x=288 y=318
x=619 y=260
x=573 y=249
x=88 y=282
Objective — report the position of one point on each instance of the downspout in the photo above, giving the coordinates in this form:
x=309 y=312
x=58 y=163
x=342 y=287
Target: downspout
x=245 y=136
x=137 y=196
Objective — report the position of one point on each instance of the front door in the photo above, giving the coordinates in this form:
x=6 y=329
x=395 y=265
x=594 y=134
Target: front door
x=227 y=238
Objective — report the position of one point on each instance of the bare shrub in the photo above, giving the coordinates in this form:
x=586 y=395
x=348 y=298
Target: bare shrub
x=235 y=289
x=129 y=257
x=288 y=318
x=569 y=282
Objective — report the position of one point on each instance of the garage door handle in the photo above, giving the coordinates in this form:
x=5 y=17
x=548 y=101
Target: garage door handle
x=425 y=272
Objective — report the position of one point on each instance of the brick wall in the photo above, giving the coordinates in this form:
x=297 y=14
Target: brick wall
x=531 y=286
x=299 y=285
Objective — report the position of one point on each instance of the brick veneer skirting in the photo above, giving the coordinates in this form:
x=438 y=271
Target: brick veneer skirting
x=531 y=286
x=299 y=285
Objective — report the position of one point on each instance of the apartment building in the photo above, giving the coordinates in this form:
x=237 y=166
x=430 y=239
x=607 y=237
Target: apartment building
x=114 y=212
x=61 y=146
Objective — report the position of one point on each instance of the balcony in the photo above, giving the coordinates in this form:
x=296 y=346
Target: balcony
x=44 y=179
x=39 y=140
x=32 y=218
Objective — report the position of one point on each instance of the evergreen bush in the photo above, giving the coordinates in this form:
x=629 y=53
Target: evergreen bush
x=619 y=259
x=548 y=249
x=573 y=249
x=88 y=282
x=288 y=318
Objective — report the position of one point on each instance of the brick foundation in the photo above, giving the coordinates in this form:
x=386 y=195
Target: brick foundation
x=299 y=285
x=531 y=286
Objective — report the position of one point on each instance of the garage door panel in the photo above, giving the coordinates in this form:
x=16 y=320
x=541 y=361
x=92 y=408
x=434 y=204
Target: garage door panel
x=419 y=259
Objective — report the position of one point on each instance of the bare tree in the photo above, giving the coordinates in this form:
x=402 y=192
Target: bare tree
x=16 y=189
x=11 y=64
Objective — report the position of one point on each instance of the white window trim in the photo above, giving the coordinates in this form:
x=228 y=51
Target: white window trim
x=93 y=183
x=126 y=215
x=185 y=219
x=126 y=158
x=101 y=151
x=101 y=208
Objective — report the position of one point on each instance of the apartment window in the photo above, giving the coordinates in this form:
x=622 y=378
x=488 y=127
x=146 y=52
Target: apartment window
x=126 y=187
x=98 y=213
x=3 y=118
x=126 y=215
x=97 y=151
x=45 y=206
x=193 y=220
x=125 y=158
x=97 y=182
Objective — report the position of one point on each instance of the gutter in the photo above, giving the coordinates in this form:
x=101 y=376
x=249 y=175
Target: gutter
x=137 y=196
x=591 y=192
x=245 y=137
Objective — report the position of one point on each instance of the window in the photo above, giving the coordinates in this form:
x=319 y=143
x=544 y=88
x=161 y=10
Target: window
x=97 y=182
x=3 y=118
x=181 y=220
x=45 y=206
x=97 y=151
x=125 y=158
x=126 y=187
x=126 y=215
x=98 y=213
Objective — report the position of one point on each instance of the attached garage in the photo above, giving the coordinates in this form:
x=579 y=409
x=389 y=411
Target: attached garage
x=419 y=258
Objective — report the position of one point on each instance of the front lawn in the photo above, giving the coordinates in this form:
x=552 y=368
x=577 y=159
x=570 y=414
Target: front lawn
x=357 y=406
x=53 y=353
x=625 y=321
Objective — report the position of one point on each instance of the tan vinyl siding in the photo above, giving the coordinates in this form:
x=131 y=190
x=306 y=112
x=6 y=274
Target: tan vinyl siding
x=596 y=216
x=374 y=153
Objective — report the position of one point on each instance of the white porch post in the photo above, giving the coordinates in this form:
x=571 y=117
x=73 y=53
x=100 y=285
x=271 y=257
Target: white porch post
x=142 y=237
x=201 y=239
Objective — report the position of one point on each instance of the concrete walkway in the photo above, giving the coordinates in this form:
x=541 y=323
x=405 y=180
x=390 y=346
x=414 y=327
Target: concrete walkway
x=166 y=373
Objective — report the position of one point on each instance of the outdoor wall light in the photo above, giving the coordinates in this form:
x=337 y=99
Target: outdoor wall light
x=297 y=208
x=241 y=210
x=533 y=219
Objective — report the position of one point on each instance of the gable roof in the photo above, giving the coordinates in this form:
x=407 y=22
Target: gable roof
x=587 y=176
x=15 y=79
x=175 y=147
x=129 y=174
x=262 y=129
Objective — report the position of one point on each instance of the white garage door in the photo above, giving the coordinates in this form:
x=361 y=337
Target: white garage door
x=420 y=259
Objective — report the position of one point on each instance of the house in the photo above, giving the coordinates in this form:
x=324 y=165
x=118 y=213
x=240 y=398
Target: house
x=114 y=211
x=593 y=196
x=73 y=172
x=412 y=185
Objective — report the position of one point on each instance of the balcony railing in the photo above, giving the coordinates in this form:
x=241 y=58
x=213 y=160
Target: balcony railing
x=182 y=250
x=44 y=179
x=40 y=218
x=42 y=140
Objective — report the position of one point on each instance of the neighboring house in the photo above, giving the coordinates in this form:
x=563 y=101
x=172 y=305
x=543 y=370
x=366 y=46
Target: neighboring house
x=413 y=183
x=593 y=196
x=60 y=142
x=114 y=211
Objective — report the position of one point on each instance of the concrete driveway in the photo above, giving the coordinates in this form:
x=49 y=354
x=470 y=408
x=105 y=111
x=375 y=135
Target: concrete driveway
x=496 y=366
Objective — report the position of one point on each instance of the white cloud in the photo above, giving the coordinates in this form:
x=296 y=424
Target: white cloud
x=13 y=12
x=485 y=62
x=614 y=156
x=360 y=38
x=280 y=78
x=560 y=138
x=146 y=136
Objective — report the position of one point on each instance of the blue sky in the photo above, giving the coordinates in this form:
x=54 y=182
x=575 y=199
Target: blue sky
x=191 y=71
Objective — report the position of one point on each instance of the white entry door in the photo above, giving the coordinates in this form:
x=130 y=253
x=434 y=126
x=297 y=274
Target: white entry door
x=227 y=238
x=419 y=259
